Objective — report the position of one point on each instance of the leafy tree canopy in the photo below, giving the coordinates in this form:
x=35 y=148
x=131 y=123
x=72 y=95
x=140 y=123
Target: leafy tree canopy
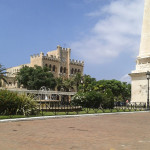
x=121 y=91
x=35 y=78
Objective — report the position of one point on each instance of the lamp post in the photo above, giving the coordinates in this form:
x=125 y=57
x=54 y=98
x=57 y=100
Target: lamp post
x=148 y=77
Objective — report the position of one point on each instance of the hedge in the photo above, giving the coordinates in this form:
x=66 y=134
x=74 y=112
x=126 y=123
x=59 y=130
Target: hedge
x=12 y=103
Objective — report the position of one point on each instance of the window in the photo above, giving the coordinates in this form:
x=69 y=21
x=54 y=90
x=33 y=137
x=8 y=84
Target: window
x=64 y=69
x=72 y=71
x=75 y=71
x=61 y=69
x=50 y=67
x=54 y=68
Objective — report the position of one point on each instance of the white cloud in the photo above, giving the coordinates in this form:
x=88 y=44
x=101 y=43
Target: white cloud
x=117 y=30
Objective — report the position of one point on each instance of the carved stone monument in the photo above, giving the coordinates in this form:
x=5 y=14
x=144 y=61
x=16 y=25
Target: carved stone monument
x=138 y=76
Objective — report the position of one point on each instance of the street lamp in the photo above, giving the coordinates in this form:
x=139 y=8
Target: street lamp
x=148 y=77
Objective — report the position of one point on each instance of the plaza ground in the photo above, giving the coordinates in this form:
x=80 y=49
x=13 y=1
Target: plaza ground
x=105 y=132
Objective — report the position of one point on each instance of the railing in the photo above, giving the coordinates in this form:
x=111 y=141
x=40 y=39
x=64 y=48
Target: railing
x=56 y=108
x=36 y=92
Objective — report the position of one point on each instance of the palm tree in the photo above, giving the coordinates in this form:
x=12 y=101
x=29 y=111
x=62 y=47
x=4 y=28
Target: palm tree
x=77 y=80
x=2 y=74
x=59 y=83
x=68 y=84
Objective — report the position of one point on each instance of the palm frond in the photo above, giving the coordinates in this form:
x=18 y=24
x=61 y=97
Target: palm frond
x=3 y=73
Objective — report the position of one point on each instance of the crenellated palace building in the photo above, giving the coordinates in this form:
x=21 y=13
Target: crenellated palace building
x=58 y=61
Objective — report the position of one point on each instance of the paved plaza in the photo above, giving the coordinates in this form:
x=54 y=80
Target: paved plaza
x=104 y=132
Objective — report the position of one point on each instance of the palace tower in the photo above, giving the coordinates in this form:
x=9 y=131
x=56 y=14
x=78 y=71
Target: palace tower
x=58 y=61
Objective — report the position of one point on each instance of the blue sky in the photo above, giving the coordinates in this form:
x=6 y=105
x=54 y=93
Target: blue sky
x=103 y=33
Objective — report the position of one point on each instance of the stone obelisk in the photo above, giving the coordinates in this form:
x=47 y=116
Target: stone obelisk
x=138 y=76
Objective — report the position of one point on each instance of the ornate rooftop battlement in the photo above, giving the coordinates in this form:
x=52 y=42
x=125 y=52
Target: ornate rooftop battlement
x=63 y=49
x=77 y=62
x=37 y=55
x=45 y=57
x=51 y=57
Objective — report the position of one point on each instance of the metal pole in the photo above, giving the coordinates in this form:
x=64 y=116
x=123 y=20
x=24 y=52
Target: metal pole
x=148 y=96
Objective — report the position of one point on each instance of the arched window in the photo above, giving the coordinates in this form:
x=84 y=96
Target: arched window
x=64 y=69
x=61 y=69
x=50 y=67
x=79 y=70
x=72 y=71
x=75 y=71
x=54 y=68
x=46 y=65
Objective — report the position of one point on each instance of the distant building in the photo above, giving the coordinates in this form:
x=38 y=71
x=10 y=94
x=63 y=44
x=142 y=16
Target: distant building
x=58 y=62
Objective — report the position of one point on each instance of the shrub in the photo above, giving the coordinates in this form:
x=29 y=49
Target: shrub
x=27 y=105
x=78 y=99
x=12 y=103
x=108 y=99
x=94 y=99
x=90 y=99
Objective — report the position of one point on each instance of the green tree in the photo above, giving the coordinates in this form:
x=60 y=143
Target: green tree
x=108 y=99
x=35 y=78
x=104 y=92
x=77 y=80
x=120 y=90
x=94 y=99
x=68 y=84
x=2 y=74
x=126 y=92
x=88 y=83
x=59 y=83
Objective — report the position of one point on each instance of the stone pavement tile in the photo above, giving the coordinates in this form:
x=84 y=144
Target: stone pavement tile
x=108 y=132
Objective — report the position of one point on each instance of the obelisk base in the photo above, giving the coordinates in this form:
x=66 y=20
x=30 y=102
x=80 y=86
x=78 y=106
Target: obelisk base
x=139 y=86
